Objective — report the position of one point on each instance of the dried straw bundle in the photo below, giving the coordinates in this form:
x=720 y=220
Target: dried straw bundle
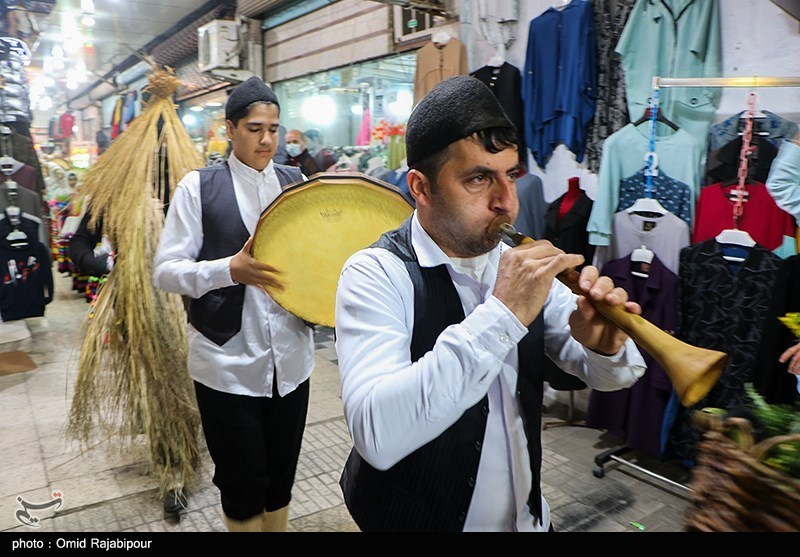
x=132 y=371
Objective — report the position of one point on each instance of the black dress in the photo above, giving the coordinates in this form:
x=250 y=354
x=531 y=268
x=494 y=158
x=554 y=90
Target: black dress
x=722 y=307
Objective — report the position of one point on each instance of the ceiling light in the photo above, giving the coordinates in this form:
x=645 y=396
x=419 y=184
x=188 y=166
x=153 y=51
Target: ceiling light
x=87 y=20
x=213 y=104
x=196 y=108
x=189 y=119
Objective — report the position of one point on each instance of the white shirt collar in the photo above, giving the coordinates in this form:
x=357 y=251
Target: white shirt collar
x=429 y=254
x=248 y=174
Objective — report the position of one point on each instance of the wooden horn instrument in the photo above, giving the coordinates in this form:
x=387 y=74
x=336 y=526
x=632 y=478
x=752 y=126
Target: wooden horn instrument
x=693 y=371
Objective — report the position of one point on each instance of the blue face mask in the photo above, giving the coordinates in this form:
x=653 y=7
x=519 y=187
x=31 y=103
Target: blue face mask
x=293 y=149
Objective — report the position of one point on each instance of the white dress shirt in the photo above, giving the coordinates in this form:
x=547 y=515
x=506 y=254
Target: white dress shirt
x=270 y=337
x=393 y=406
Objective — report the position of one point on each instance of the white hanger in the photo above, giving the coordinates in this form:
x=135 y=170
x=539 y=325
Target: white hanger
x=736 y=237
x=9 y=165
x=496 y=61
x=647 y=205
x=642 y=255
x=441 y=37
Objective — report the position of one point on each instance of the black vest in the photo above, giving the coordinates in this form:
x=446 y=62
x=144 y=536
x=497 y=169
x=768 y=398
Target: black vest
x=218 y=313
x=430 y=490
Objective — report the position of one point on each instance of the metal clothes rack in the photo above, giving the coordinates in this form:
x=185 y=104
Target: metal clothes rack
x=750 y=82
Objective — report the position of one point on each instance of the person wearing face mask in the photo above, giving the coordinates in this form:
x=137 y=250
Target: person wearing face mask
x=296 y=147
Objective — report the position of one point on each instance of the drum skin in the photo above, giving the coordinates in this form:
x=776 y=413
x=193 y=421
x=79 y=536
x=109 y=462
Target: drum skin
x=311 y=229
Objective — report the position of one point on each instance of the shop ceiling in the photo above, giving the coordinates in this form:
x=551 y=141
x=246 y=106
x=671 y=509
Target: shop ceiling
x=78 y=45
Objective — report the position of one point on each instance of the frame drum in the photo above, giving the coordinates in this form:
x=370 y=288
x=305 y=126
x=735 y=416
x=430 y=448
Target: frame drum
x=313 y=227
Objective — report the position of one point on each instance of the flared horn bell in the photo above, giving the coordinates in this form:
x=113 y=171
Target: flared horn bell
x=693 y=371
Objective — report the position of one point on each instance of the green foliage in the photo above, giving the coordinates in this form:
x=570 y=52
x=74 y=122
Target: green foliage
x=778 y=419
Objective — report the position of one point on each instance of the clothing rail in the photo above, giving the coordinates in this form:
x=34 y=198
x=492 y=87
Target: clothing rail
x=659 y=81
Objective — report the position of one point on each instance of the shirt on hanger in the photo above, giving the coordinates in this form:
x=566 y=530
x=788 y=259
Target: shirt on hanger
x=679 y=157
x=559 y=79
x=435 y=63
x=670 y=38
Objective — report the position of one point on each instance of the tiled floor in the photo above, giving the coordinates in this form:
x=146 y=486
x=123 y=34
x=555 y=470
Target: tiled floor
x=105 y=490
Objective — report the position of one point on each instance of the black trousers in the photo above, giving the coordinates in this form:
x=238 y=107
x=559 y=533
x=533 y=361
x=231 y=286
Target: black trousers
x=254 y=443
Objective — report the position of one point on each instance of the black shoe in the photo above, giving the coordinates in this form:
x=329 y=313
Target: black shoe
x=174 y=502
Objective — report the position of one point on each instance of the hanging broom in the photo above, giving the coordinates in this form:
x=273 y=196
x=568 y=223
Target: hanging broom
x=132 y=370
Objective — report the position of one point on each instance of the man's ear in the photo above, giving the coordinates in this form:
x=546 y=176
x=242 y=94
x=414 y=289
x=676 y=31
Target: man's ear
x=419 y=186
x=229 y=127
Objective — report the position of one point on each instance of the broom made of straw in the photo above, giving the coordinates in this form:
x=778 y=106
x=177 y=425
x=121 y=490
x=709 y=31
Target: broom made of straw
x=132 y=371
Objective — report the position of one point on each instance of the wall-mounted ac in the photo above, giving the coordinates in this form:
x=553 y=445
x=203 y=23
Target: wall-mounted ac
x=218 y=45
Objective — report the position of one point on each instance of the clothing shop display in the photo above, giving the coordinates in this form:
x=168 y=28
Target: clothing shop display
x=532 y=206
x=665 y=235
x=771 y=378
x=437 y=62
x=679 y=158
x=636 y=414
x=776 y=127
x=723 y=305
x=568 y=231
x=611 y=107
x=675 y=196
x=559 y=79
x=722 y=165
x=505 y=81
x=673 y=38
x=782 y=180
x=761 y=217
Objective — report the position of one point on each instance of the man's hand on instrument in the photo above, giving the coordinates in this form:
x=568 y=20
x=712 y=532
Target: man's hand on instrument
x=525 y=275
x=588 y=326
x=245 y=269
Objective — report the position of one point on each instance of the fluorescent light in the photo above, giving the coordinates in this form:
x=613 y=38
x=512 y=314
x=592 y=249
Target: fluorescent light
x=196 y=108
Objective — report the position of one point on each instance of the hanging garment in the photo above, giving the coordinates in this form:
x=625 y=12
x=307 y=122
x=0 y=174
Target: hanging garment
x=66 y=122
x=665 y=236
x=636 y=414
x=673 y=38
x=674 y=195
x=116 y=118
x=569 y=232
x=679 y=157
x=532 y=206
x=506 y=84
x=27 y=177
x=364 y=136
x=771 y=378
x=611 y=107
x=26 y=268
x=722 y=307
x=559 y=80
x=435 y=63
x=723 y=164
x=31 y=205
x=776 y=126
x=769 y=225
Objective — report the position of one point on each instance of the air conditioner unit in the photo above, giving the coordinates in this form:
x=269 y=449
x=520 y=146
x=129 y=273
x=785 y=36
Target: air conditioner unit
x=218 y=45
